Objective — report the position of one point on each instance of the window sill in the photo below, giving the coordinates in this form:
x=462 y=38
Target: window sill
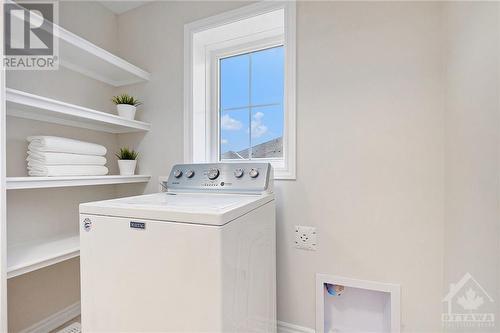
x=284 y=175
x=282 y=170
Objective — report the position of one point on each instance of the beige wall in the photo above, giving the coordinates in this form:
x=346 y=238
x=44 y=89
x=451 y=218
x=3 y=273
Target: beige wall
x=472 y=237
x=370 y=83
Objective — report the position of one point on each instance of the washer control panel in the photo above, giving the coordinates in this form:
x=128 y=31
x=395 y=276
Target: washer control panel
x=221 y=177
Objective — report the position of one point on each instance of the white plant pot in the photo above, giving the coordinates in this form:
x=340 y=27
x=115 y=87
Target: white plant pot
x=126 y=111
x=127 y=167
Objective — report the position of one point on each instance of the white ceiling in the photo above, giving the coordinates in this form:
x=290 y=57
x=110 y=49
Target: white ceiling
x=120 y=7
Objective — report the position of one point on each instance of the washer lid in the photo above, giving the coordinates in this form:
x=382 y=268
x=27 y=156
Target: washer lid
x=200 y=208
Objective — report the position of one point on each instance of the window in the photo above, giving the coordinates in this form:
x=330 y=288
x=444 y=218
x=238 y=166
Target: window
x=240 y=87
x=251 y=105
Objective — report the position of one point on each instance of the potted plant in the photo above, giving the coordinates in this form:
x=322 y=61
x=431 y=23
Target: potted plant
x=126 y=105
x=127 y=161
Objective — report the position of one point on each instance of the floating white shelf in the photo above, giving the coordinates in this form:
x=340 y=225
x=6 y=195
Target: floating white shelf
x=18 y=183
x=25 y=105
x=80 y=55
x=27 y=257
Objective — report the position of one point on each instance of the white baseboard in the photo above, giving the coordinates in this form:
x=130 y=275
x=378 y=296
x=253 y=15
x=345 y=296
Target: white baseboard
x=54 y=321
x=291 y=328
x=72 y=311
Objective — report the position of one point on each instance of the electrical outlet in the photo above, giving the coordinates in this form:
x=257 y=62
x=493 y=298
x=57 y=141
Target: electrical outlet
x=305 y=237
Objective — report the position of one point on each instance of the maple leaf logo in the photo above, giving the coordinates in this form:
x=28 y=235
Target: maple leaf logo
x=470 y=301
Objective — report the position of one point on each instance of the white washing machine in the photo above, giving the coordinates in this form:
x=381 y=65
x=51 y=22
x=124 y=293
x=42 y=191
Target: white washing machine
x=200 y=257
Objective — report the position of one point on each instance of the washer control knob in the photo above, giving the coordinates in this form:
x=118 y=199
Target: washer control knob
x=190 y=173
x=238 y=173
x=253 y=173
x=213 y=173
x=177 y=173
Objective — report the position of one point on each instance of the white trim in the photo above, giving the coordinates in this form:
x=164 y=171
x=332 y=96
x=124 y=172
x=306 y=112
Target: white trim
x=393 y=289
x=234 y=15
x=188 y=95
x=54 y=321
x=29 y=106
x=284 y=327
x=19 y=183
x=289 y=135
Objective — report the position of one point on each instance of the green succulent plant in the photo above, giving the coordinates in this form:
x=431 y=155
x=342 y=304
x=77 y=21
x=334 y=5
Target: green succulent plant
x=126 y=99
x=127 y=154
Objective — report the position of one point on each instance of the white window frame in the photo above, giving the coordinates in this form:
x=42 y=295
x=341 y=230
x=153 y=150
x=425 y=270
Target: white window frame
x=201 y=111
x=215 y=58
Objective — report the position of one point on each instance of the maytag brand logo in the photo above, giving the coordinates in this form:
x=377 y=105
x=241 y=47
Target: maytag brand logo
x=137 y=225
x=29 y=30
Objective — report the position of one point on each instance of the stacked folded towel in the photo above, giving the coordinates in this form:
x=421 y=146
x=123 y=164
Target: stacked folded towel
x=53 y=156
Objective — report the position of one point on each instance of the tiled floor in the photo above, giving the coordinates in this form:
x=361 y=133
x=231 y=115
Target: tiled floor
x=74 y=320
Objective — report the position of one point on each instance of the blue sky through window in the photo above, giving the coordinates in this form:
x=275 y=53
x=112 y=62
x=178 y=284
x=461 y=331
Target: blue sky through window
x=251 y=104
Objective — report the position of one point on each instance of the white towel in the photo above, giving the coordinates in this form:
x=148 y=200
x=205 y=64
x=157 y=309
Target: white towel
x=68 y=170
x=50 y=158
x=64 y=145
